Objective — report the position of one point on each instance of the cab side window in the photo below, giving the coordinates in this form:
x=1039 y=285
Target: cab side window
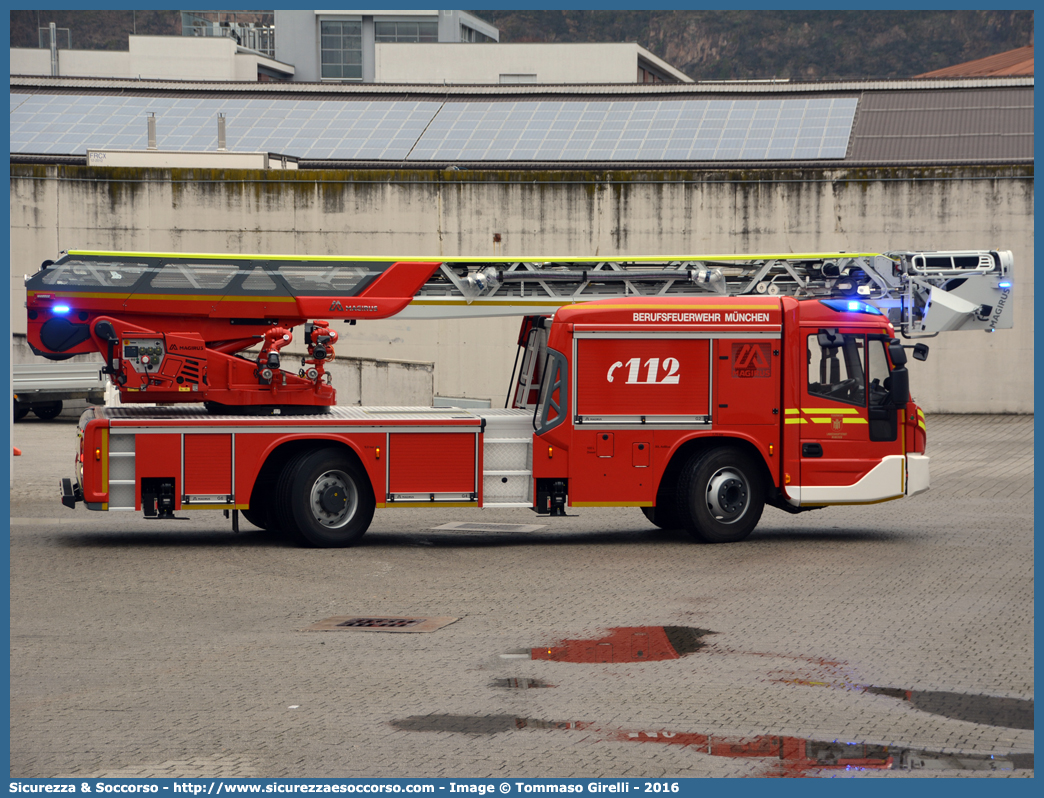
x=836 y=367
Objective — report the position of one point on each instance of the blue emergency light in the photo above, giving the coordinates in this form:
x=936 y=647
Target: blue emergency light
x=60 y=310
x=851 y=306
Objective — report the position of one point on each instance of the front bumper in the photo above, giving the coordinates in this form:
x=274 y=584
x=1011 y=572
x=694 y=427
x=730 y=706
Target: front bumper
x=916 y=474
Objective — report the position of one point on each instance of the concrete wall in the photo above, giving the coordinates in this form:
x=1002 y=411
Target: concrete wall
x=376 y=383
x=151 y=57
x=183 y=57
x=443 y=214
x=466 y=63
x=71 y=63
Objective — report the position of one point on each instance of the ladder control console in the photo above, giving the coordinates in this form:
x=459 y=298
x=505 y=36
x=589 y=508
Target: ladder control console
x=144 y=355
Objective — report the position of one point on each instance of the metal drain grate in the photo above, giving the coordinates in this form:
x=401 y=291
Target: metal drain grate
x=381 y=623
x=360 y=623
x=473 y=527
x=520 y=683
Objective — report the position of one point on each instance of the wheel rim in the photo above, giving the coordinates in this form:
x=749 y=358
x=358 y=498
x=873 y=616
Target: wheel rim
x=334 y=499
x=728 y=495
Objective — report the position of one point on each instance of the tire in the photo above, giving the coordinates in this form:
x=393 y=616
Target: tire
x=260 y=513
x=324 y=499
x=665 y=517
x=46 y=412
x=258 y=516
x=20 y=411
x=720 y=495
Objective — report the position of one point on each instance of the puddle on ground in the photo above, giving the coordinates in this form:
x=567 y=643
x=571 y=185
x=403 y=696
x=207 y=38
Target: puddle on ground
x=628 y=644
x=651 y=643
x=1010 y=713
x=781 y=756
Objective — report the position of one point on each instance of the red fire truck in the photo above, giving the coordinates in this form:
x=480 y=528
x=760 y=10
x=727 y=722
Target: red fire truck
x=670 y=390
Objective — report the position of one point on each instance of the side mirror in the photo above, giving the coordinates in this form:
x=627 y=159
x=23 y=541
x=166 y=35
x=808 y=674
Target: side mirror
x=900 y=386
x=830 y=338
x=896 y=353
x=920 y=351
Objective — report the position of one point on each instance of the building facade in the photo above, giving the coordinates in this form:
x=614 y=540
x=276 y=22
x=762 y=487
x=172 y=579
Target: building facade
x=340 y=45
x=399 y=47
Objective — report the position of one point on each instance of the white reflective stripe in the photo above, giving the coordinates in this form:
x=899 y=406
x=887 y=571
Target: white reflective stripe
x=884 y=481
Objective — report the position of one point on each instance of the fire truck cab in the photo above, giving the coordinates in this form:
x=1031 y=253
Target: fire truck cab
x=698 y=410
x=702 y=411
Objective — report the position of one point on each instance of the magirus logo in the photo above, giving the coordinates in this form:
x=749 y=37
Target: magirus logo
x=751 y=360
x=336 y=305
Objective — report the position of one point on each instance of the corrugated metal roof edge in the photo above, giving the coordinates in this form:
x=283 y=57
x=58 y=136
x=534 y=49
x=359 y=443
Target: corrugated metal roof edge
x=317 y=96
x=525 y=90
x=692 y=166
x=579 y=166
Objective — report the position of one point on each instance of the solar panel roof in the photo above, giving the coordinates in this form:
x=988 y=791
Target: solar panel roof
x=807 y=128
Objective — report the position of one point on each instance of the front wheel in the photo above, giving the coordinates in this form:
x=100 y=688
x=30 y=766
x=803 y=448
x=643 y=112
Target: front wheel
x=324 y=499
x=720 y=495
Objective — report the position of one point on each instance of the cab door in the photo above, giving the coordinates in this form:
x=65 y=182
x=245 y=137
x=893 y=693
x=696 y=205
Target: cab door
x=843 y=382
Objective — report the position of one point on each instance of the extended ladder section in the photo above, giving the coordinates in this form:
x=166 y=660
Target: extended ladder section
x=922 y=293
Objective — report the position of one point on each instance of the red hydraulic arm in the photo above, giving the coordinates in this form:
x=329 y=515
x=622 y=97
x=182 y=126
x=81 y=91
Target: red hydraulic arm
x=172 y=327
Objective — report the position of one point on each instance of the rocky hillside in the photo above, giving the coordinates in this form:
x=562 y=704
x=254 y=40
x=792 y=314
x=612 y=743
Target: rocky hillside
x=94 y=30
x=808 y=45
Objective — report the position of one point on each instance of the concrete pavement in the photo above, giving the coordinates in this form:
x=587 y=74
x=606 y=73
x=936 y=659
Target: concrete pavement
x=151 y=648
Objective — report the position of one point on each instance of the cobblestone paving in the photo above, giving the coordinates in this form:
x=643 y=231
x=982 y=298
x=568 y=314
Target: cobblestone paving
x=149 y=648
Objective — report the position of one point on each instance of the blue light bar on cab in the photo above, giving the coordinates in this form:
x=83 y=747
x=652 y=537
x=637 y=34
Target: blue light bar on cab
x=61 y=310
x=851 y=306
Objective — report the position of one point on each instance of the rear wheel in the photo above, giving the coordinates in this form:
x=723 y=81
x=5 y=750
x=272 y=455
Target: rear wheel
x=720 y=495
x=665 y=517
x=324 y=499
x=48 y=411
x=20 y=410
